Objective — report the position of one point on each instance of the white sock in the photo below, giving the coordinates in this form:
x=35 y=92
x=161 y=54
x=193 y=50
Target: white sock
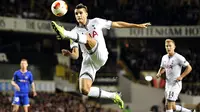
x=182 y=109
x=80 y=38
x=97 y=92
x=169 y=110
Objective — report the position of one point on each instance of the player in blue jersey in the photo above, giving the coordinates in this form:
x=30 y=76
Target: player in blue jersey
x=21 y=80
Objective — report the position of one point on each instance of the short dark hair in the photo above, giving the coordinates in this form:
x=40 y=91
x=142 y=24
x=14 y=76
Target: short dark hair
x=79 y=6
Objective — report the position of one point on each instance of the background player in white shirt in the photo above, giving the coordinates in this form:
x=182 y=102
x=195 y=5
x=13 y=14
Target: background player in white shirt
x=172 y=64
x=88 y=34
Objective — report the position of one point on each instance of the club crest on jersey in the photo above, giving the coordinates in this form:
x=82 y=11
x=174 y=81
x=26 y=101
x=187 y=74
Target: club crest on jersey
x=168 y=65
x=93 y=34
x=26 y=77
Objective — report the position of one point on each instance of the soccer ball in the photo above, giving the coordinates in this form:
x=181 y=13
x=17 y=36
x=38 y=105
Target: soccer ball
x=59 y=8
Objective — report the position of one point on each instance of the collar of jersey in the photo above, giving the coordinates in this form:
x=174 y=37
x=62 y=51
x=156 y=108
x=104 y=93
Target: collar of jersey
x=172 y=55
x=83 y=26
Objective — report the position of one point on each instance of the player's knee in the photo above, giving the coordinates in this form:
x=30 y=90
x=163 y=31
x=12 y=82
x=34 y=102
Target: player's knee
x=85 y=91
x=102 y=61
x=14 y=110
x=169 y=105
x=174 y=106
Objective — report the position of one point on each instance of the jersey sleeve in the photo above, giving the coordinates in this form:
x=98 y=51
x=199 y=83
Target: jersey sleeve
x=162 y=62
x=15 y=76
x=105 y=24
x=72 y=43
x=31 y=78
x=182 y=61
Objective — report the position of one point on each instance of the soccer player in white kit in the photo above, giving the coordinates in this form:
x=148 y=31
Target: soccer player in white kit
x=172 y=64
x=89 y=36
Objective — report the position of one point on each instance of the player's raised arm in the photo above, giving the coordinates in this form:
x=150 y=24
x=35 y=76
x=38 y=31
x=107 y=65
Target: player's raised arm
x=121 y=24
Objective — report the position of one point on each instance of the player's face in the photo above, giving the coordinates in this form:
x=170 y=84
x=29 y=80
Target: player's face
x=24 y=64
x=170 y=47
x=81 y=15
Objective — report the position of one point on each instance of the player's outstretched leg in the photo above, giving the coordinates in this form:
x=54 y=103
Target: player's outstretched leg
x=64 y=34
x=99 y=93
x=115 y=96
x=182 y=109
x=58 y=29
x=86 y=88
x=118 y=100
x=193 y=110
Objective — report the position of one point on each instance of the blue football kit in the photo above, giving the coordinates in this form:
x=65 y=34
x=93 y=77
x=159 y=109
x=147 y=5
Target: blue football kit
x=23 y=80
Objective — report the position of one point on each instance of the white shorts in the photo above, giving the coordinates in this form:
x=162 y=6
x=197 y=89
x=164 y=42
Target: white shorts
x=92 y=63
x=172 y=90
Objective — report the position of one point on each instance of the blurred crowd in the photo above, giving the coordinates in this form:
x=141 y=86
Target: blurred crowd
x=143 y=54
x=138 y=54
x=158 y=12
x=55 y=102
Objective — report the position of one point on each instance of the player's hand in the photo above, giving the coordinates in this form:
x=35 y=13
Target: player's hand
x=179 y=78
x=66 y=52
x=144 y=25
x=34 y=93
x=158 y=75
x=17 y=88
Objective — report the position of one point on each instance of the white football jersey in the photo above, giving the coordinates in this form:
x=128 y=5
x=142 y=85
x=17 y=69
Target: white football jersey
x=94 y=28
x=173 y=66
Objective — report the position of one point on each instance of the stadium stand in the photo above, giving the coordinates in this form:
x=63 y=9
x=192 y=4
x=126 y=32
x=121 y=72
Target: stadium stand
x=54 y=102
x=164 y=12
x=136 y=54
